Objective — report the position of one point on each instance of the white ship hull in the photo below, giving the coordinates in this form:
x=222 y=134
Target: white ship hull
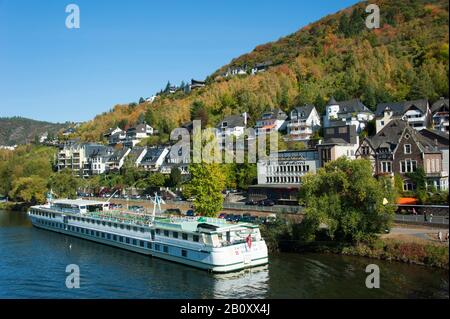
x=215 y=259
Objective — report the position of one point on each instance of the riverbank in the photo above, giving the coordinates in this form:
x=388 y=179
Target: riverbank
x=418 y=253
x=14 y=206
x=401 y=249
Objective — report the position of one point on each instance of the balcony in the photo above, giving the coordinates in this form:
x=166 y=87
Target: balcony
x=414 y=119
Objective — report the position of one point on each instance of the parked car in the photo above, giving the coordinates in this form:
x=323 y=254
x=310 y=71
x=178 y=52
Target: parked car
x=190 y=213
x=251 y=202
x=237 y=218
x=266 y=202
x=223 y=215
x=229 y=217
x=136 y=208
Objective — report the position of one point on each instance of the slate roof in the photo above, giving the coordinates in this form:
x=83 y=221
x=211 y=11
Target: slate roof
x=350 y=106
x=118 y=155
x=136 y=152
x=390 y=135
x=303 y=111
x=436 y=136
x=94 y=150
x=276 y=114
x=141 y=128
x=233 y=121
x=400 y=108
x=152 y=155
x=440 y=105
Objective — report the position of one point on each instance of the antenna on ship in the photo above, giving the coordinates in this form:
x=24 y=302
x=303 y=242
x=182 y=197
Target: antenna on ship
x=112 y=195
x=157 y=201
x=50 y=196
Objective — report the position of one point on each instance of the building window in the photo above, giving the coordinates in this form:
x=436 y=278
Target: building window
x=386 y=167
x=184 y=253
x=134 y=242
x=174 y=234
x=195 y=238
x=408 y=186
x=157 y=247
x=184 y=236
x=166 y=233
x=141 y=243
x=407 y=148
x=408 y=166
x=166 y=249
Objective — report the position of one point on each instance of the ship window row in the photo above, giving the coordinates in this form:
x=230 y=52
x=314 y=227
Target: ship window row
x=175 y=234
x=43 y=214
x=109 y=224
x=116 y=238
x=49 y=223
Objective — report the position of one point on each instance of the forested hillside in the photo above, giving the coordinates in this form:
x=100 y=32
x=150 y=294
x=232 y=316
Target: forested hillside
x=19 y=130
x=406 y=58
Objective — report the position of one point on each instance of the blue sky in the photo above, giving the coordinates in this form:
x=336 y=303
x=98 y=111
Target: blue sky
x=127 y=49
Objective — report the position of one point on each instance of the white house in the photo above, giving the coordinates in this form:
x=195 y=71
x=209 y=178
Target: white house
x=135 y=134
x=351 y=112
x=116 y=161
x=112 y=131
x=151 y=99
x=417 y=113
x=232 y=125
x=303 y=122
x=439 y=111
x=98 y=160
x=271 y=121
x=154 y=158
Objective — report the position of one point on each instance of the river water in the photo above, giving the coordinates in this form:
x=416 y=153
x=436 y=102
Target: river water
x=33 y=264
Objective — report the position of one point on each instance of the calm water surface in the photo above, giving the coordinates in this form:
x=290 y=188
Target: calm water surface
x=33 y=263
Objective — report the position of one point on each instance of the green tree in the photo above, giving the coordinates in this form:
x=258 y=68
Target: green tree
x=156 y=180
x=207 y=183
x=29 y=189
x=64 y=184
x=345 y=199
x=246 y=175
x=175 y=177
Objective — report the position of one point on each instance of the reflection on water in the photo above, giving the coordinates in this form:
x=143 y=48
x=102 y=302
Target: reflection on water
x=252 y=283
x=33 y=263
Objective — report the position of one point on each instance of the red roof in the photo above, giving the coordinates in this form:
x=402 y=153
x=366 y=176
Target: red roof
x=407 y=201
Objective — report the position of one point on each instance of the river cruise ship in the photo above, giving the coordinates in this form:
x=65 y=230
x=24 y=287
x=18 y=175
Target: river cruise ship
x=212 y=244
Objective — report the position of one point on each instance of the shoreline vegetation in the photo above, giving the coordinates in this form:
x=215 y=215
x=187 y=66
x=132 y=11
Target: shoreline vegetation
x=15 y=206
x=279 y=238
